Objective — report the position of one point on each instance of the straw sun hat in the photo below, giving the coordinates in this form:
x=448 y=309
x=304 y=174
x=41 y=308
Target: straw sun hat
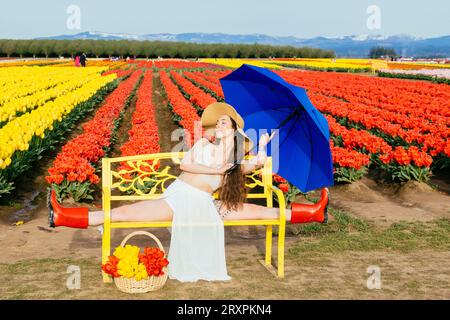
x=217 y=109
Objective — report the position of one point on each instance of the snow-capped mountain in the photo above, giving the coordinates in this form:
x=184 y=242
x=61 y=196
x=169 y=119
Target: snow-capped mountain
x=350 y=46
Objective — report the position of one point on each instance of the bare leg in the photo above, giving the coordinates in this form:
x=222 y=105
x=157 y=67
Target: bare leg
x=159 y=210
x=145 y=210
x=252 y=211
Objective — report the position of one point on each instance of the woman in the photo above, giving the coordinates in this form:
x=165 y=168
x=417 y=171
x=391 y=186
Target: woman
x=197 y=240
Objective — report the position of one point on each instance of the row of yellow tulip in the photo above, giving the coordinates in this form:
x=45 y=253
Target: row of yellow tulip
x=17 y=134
x=16 y=82
x=97 y=63
x=417 y=65
x=352 y=64
x=23 y=63
x=10 y=109
x=20 y=81
x=236 y=63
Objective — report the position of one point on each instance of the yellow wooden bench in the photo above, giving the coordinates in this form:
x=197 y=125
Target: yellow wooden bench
x=146 y=177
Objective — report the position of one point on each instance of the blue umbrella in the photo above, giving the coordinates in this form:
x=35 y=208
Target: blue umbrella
x=266 y=101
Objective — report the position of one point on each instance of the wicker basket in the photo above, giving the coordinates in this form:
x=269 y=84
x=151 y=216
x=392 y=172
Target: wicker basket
x=152 y=283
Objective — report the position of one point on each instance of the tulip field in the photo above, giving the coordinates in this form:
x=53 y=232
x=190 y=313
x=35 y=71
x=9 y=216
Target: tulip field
x=396 y=128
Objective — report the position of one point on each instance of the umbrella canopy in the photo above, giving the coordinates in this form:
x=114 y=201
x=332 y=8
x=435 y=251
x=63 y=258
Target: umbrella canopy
x=266 y=101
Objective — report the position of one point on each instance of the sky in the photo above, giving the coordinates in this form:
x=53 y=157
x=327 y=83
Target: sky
x=20 y=19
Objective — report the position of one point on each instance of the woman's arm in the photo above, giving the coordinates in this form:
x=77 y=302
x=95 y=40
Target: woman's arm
x=256 y=162
x=199 y=168
x=261 y=158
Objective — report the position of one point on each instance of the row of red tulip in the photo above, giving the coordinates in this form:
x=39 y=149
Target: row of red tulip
x=208 y=73
x=360 y=115
x=348 y=158
x=196 y=77
x=412 y=98
x=120 y=73
x=213 y=76
x=143 y=135
x=353 y=138
x=182 y=64
x=196 y=95
x=361 y=139
x=408 y=109
x=185 y=113
x=141 y=64
x=77 y=160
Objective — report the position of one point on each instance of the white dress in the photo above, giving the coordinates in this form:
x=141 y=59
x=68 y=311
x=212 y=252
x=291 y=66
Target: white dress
x=197 y=245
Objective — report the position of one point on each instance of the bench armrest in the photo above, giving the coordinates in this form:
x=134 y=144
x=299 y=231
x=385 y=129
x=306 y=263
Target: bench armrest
x=176 y=156
x=281 y=201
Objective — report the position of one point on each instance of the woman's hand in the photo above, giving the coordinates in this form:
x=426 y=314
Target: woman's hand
x=265 y=138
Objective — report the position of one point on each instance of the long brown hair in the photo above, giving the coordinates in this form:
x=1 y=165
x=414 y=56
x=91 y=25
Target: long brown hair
x=233 y=191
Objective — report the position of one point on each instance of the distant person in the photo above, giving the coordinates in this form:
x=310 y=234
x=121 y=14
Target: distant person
x=83 y=60
x=77 y=61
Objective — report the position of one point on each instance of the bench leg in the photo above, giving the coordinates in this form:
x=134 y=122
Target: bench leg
x=281 y=239
x=267 y=262
x=268 y=245
x=106 y=250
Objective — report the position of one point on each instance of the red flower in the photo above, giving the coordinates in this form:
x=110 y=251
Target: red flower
x=94 y=179
x=110 y=267
x=72 y=177
x=180 y=105
x=284 y=187
x=278 y=178
x=197 y=95
x=154 y=261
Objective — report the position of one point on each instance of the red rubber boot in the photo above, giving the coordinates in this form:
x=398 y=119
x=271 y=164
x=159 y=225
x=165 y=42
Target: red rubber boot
x=59 y=216
x=318 y=212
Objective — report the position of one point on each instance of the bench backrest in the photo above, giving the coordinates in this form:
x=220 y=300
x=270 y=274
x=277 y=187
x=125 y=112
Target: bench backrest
x=148 y=176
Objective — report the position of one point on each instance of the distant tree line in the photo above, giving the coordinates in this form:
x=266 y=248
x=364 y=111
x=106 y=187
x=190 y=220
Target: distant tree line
x=152 y=49
x=381 y=52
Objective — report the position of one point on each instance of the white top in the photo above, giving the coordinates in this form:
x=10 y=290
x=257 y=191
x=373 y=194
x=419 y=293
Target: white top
x=201 y=153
